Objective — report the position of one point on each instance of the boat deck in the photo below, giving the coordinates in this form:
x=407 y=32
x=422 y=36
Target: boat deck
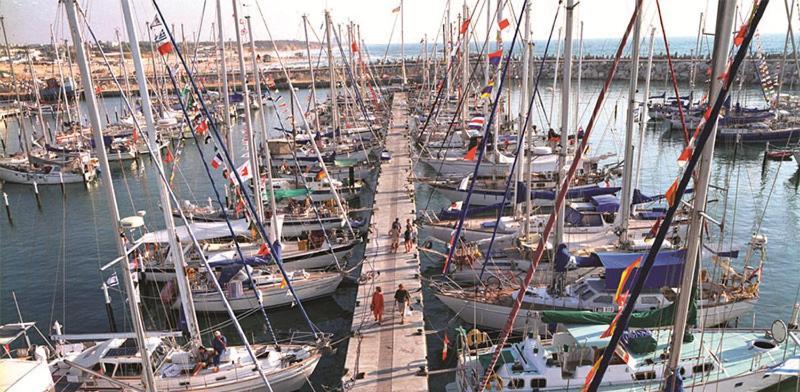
x=389 y=357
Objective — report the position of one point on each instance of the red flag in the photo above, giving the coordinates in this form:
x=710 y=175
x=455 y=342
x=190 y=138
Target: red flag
x=610 y=330
x=671 y=193
x=354 y=46
x=168 y=158
x=470 y=156
x=623 y=279
x=98 y=90
x=444 y=349
x=135 y=136
x=464 y=26
x=165 y=48
x=654 y=229
x=494 y=57
x=201 y=127
x=686 y=154
x=263 y=251
x=503 y=24
x=739 y=39
x=590 y=375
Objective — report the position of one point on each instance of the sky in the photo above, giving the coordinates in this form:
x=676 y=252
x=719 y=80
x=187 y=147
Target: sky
x=29 y=21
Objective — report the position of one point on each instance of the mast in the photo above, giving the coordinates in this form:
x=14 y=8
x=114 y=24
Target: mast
x=175 y=249
x=696 y=53
x=123 y=66
x=627 y=172
x=332 y=77
x=313 y=78
x=224 y=78
x=402 y=43
x=26 y=145
x=643 y=112
x=39 y=114
x=498 y=46
x=270 y=189
x=555 y=73
x=148 y=377
x=248 y=120
x=522 y=170
x=722 y=41
x=566 y=86
x=75 y=91
x=529 y=136
x=61 y=75
x=576 y=104
x=465 y=69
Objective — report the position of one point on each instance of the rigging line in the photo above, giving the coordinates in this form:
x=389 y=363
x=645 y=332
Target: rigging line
x=483 y=145
x=391 y=34
x=520 y=143
x=249 y=204
x=358 y=97
x=540 y=249
x=681 y=189
x=672 y=74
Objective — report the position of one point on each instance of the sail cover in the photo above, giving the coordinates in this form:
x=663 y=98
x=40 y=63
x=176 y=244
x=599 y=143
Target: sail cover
x=667 y=270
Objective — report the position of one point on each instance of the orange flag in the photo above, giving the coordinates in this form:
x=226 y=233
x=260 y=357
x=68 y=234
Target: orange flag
x=590 y=375
x=671 y=193
x=444 y=349
x=470 y=155
x=618 y=298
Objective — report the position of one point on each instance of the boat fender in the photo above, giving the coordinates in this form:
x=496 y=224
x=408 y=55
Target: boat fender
x=475 y=338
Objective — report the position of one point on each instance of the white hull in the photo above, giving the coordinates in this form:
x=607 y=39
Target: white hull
x=19 y=177
x=272 y=296
x=460 y=167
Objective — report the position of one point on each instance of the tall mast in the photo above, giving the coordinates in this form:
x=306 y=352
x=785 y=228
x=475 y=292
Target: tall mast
x=577 y=101
x=627 y=172
x=97 y=133
x=38 y=98
x=61 y=75
x=402 y=43
x=23 y=129
x=521 y=170
x=256 y=71
x=465 y=69
x=248 y=120
x=313 y=78
x=566 y=85
x=643 y=111
x=175 y=249
x=722 y=41
x=498 y=46
x=555 y=74
x=696 y=54
x=224 y=78
x=124 y=67
x=332 y=77
x=75 y=92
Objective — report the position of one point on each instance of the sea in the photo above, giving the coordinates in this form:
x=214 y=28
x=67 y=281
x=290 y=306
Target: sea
x=51 y=255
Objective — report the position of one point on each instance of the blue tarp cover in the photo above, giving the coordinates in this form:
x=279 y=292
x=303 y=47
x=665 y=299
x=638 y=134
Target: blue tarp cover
x=605 y=203
x=667 y=270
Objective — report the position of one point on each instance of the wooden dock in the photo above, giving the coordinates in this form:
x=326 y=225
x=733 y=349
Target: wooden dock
x=389 y=357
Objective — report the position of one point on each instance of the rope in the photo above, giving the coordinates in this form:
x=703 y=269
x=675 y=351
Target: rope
x=672 y=75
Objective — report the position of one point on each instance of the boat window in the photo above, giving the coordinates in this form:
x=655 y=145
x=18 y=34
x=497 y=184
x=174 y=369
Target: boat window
x=650 y=300
x=516 y=383
x=648 y=375
x=129 y=370
x=539 y=383
x=588 y=294
x=603 y=299
x=702 y=368
x=107 y=368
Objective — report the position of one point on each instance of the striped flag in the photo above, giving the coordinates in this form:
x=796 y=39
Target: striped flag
x=623 y=279
x=494 y=57
x=476 y=123
x=217 y=161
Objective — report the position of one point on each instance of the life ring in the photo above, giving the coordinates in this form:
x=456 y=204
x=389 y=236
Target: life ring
x=495 y=381
x=475 y=338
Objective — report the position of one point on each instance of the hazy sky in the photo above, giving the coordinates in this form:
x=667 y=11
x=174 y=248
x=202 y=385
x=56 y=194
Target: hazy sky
x=29 y=20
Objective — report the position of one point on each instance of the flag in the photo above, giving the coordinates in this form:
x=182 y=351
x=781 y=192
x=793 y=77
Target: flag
x=135 y=136
x=162 y=41
x=654 y=229
x=686 y=154
x=464 y=26
x=396 y=10
x=739 y=39
x=444 y=348
x=670 y=195
x=168 y=158
x=620 y=350
x=217 y=161
x=503 y=24
x=486 y=92
x=320 y=176
x=610 y=330
x=112 y=280
x=283 y=285
x=470 y=155
x=263 y=251
x=590 y=375
x=623 y=279
x=354 y=46
x=244 y=171
x=476 y=123
x=494 y=57
x=200 y=125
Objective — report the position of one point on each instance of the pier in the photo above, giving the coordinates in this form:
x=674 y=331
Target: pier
x=389 y=357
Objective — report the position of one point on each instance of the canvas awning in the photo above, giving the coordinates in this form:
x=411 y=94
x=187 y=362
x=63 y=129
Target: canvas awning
x=202 y=231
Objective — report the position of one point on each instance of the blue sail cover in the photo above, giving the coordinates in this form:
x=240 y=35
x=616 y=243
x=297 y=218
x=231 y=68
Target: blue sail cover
x=573 y=193
x=252 y=261
x=450 y=214
x=667 y=270
x=605 y=203
x=564 y=258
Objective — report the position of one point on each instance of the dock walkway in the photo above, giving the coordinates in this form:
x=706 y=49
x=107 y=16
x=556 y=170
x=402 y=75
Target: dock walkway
x=389 y=357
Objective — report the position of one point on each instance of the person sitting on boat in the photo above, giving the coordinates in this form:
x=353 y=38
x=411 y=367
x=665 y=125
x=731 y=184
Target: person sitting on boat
x=202 y=360
x=220 y=344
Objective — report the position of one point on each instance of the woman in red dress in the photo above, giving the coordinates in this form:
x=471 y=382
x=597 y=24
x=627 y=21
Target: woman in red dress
x=377 y=305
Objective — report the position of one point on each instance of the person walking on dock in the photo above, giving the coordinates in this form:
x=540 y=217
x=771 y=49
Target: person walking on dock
x=377 y=304
x=220 y=344
x=394 y=236
x=403 y=299
x=408 y=236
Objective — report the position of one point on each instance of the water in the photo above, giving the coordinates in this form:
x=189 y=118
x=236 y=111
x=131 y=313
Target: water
x=51 y=257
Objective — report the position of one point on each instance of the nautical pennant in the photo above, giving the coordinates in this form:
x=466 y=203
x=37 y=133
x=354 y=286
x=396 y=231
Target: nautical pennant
x=495 y=57
x=217 y=161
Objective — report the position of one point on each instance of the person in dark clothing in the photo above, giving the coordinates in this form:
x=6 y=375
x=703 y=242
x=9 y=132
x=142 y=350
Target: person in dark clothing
x=203 y=359
x=403 y=298
x=220 y=344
